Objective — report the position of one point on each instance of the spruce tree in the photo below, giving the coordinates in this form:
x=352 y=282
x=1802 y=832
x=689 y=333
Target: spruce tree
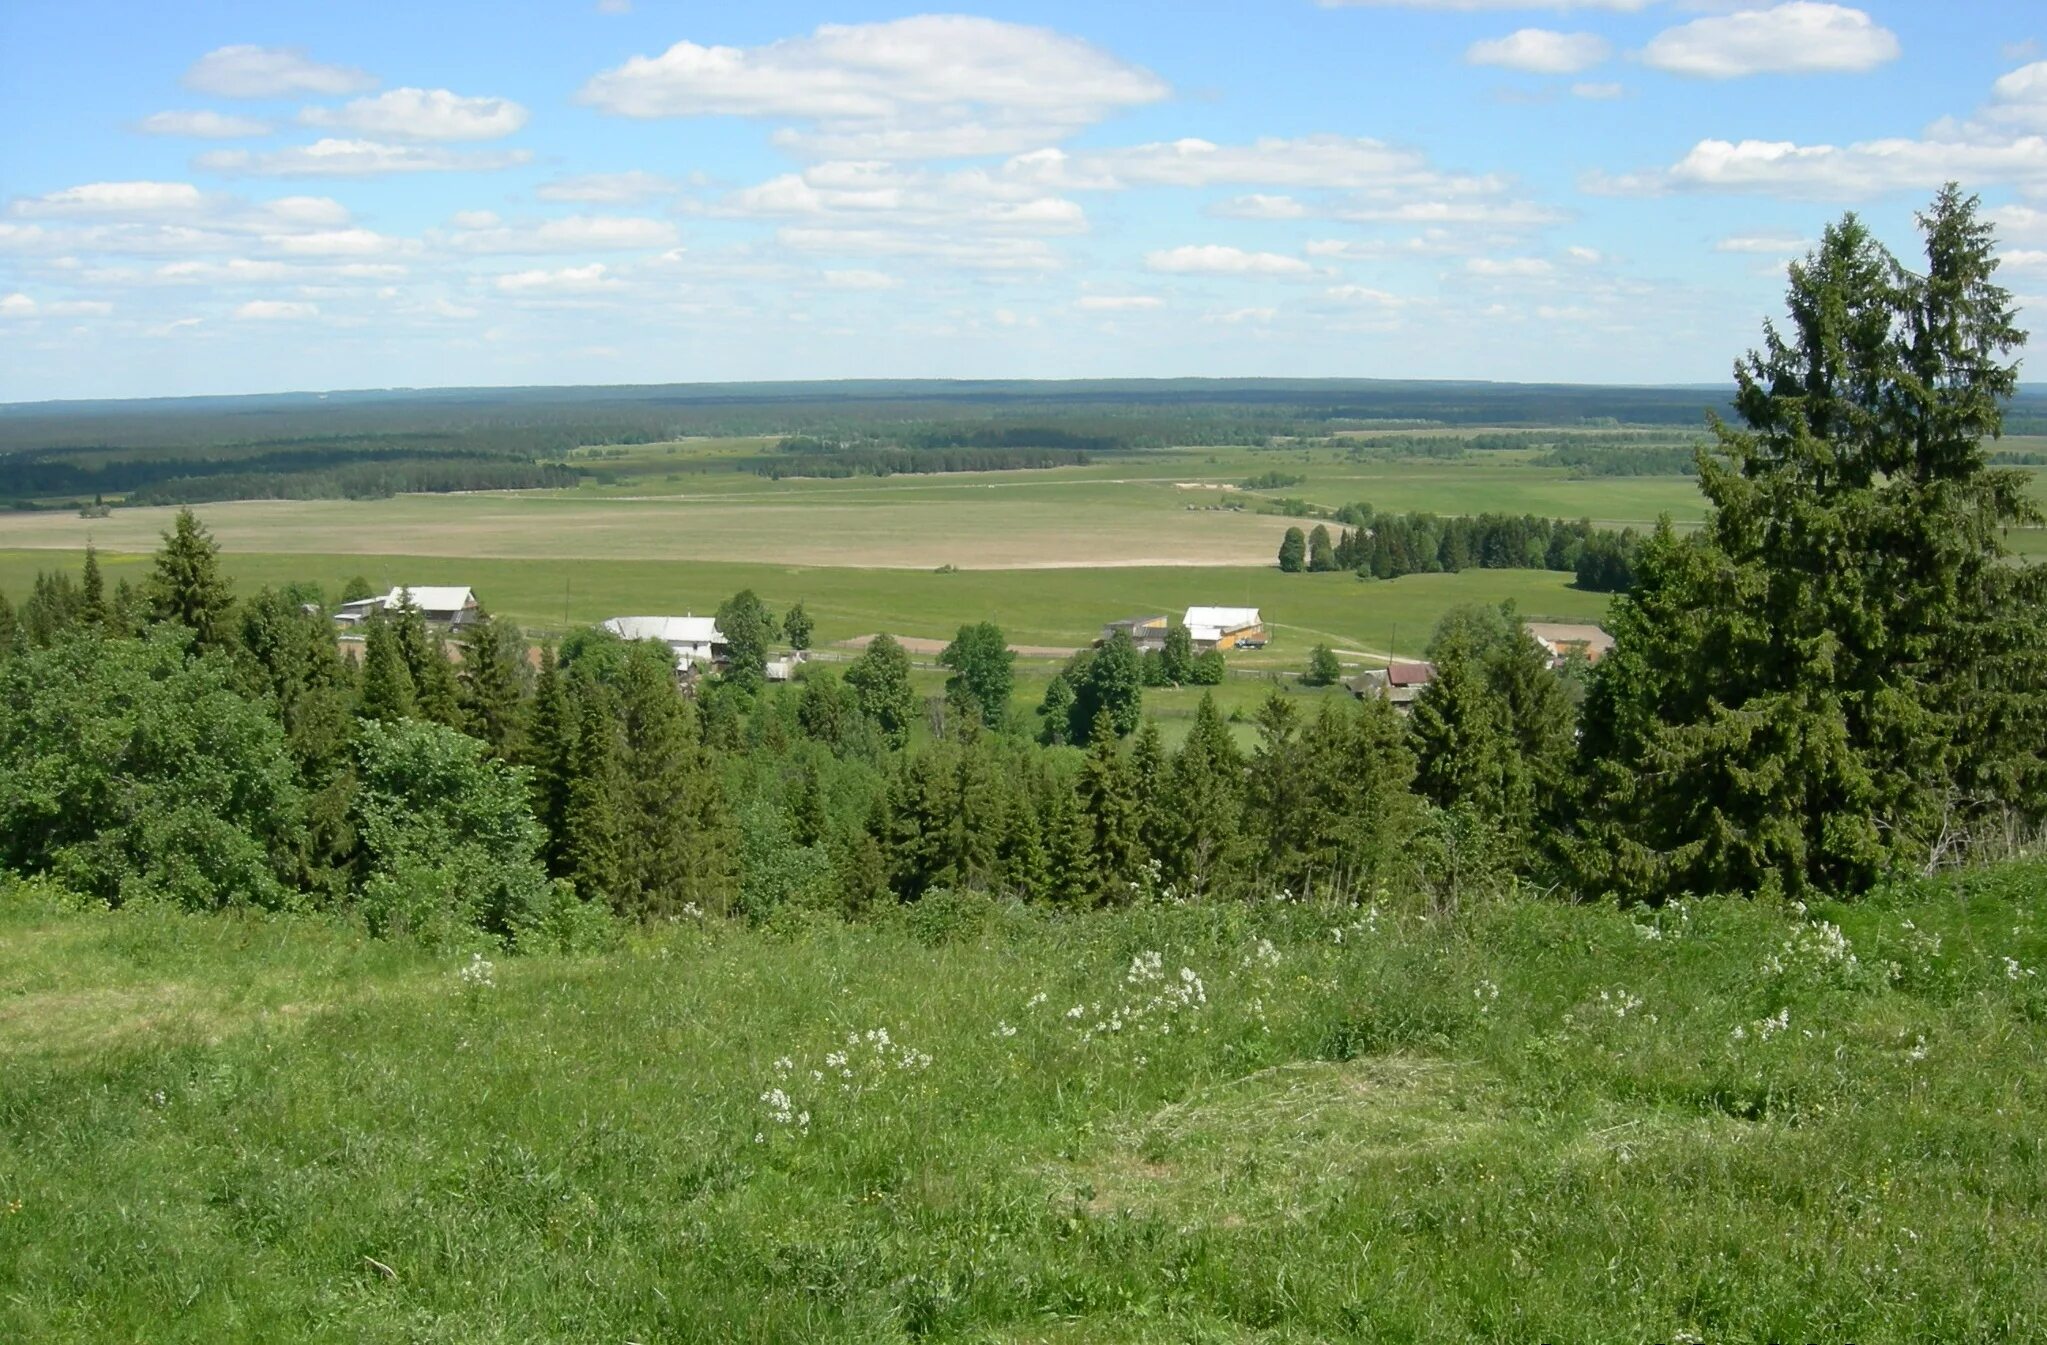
x=1293 y=552
x=10 y=629
x=492 y=684
x=187 y=587
x=1177 y=657
x=1109 y=798
x=594 y=839
x=92 y=605
x=547 y=752
x=1206 y=794
x=1463 y=749
x=675 y=838
x=1841 y=675
x=387 y=691
x=1276 y=812
x=1070 y=878
x=1149 y=778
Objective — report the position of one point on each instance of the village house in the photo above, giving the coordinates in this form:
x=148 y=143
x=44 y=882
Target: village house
x=1564 y=641
x=1396 y=683
x=695 y=641
x=439 y=605
x=1225 y=628
x=1146 y=632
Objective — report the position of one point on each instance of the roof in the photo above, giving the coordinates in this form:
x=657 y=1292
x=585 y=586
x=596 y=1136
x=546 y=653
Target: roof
x=1595 y=640
x=667 y=629
x=1220 y=618
x=1409 y=674
x=430 y=598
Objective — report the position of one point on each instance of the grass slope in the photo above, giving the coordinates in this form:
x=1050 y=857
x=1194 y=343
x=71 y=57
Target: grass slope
x=1534 y=1122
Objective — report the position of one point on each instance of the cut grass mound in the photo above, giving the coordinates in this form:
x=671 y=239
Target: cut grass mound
x=1245 y=1123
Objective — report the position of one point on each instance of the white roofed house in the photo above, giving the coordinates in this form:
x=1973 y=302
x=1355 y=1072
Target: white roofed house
x=1225 y=628
x=440 y=605
x=695 y=641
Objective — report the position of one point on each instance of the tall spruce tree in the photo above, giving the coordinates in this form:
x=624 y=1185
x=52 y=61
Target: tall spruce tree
x=1464 y=749
x=1115 y=818
x=492 y=684
x=1207 y=801
x=1840 y=675
x=92 y=595
x=594 y=822
x=387 y=690
x=677 y=842
x=547 y=752
x=187 y=587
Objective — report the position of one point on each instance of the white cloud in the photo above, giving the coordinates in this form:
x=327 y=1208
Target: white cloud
x=422 y=114
x=614 y=6
x=201 y=124
x=933 y=85
x=1117 y=303
x=869 y=194
x=355 y=158
x=17 y=305
x=574 y=233
x=1541 y=51
x=591 y=279
x=1235 y=316
x=2019 y=223
x=1318 y=161
x=1800 y=37
x=975 y=253
x=276 y=310
x=1364 y=296
x=631 y=188
x=861 y=279
x=1598 y=92
x=1258 y=205
x=1473 y=6
x=341 y=243
x=1216 y=259
x=117 y=200
x=1584 y=256
x=2019 y=99
x=1509 y=268
x=270 y=72
x=1768 y=245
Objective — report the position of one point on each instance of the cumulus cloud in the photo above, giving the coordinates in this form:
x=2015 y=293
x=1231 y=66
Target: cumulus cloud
x=202 y=124
x=1117 y=303
x=1800 y=37
x=17 y=305
x=927 y=86
x=150 y=200
x=1364 y=296
x=2019 y=99
x=591 y=279
x=422 y=114
x=356 y=158
x=1259 y=205
x=1769 y=245
x=1327 y=161
x=1509 y=268
x=1541 y=51
x=869 y=194
x=1990 y=149
x=574 y=233
x=271 y=72
x=1215 y=259
x=630 y=188
x=1473 y=6
x=276 y=310
x=967 y=251
x=860 y=278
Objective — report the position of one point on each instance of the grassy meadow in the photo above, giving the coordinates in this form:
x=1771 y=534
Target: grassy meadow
x=1520 y=1120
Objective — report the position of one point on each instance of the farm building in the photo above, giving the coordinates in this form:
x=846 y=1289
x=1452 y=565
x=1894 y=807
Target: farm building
x=1225 y=628
x=1398 y=683
x=441 y=605
x=1146 y=632
x=694 y=640
x=1562 y=641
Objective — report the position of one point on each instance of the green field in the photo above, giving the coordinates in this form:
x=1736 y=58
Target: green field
x=1528 y=1122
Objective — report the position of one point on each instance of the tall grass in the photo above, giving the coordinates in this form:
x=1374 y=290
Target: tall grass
x=1277 y=1122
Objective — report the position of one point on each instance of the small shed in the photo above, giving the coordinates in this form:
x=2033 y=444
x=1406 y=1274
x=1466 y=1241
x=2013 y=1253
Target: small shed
x=1225 y=628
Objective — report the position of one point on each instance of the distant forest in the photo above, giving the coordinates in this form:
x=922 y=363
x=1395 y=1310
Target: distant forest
x=361 y=444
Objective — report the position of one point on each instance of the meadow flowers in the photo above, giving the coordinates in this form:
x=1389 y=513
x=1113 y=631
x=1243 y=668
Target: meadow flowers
x=480 y=974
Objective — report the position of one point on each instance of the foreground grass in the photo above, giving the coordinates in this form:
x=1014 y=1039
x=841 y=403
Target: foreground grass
x=1534 y=1122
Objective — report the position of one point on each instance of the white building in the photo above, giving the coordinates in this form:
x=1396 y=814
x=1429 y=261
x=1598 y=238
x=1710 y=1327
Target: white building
x=441 y=605
x=1225 y=628
x=694 y=640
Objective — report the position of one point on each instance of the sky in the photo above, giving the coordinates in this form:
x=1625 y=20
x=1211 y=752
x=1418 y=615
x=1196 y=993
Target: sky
x=238 y=197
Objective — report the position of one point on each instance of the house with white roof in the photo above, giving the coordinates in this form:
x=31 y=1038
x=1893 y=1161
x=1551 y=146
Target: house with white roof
x=694 y=640
x=440 y=605
x=1225 y=628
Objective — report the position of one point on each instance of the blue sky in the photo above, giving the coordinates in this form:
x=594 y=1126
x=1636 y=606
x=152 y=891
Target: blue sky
x=208 y=197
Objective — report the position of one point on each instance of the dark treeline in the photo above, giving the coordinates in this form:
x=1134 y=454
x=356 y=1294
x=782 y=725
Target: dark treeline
x=362 y=481
x=847 y=462
x=1637 y=460
x=1388 y=546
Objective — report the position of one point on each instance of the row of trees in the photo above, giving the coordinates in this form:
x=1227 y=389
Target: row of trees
x=1387 y=546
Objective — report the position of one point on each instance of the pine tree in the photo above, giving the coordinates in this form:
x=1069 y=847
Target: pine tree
x=387 y=691
x=1109 y=800
x=594 y=826
x=492 y=684
x=1840 y=675
x=92 y=606
x=187 y=587
x=1206 y=794
x=550 y=744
